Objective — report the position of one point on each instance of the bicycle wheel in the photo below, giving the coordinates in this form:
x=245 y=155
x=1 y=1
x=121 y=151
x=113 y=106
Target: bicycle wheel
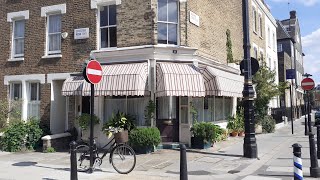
x=123 y=158
x=83 y=158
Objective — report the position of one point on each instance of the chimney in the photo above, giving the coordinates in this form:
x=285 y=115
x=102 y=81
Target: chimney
x=293 y=14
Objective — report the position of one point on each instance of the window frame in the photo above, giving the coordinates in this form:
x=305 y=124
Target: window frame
x=279 y=47
x=13 y=49
x=11 y=94
x=106 y=27
x=37 y=93
x=172 y=23
x=260 y=25
x=254 y=14
x=48 y=52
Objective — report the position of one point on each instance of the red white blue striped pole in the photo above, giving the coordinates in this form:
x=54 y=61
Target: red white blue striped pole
x=297 y=162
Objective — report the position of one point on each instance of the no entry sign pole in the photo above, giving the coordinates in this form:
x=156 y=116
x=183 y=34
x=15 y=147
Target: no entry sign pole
x=308 y=84
x=93 y=76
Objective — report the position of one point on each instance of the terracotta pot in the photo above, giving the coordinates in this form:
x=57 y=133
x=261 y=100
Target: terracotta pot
x=234 y=133
x=121 y=137
x=241 y=133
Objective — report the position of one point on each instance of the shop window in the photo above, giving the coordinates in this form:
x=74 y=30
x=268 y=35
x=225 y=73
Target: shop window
x=167 y=108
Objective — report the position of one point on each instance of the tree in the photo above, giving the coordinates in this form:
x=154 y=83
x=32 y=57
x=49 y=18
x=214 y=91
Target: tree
x=229 y=47
x=266 y=89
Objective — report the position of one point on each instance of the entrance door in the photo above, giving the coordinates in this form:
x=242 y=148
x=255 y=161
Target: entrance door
x=58 y=108
x=184 y=122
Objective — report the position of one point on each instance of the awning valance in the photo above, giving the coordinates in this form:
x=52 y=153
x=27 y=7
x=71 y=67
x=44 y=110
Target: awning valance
x=117 y=80
x=73 y=86
x=222 y=83
x=175 y=79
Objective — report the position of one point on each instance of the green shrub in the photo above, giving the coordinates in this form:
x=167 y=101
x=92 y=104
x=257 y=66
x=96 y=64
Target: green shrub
x=14 y=137
x=34 y=133
x=206 y=131
x=144 y=137
x=85 y=119
x=49 y=150
x=268 y=124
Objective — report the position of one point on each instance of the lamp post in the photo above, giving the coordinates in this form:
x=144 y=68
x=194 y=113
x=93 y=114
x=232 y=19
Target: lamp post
x=249 y=145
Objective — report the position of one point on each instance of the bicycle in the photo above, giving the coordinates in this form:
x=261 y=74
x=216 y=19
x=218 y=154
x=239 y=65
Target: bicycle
x=121 y=153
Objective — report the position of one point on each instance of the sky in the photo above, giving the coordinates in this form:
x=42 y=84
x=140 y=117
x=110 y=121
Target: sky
x=308 y=13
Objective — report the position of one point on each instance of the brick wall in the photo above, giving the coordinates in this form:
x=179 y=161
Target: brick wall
x=215 y=18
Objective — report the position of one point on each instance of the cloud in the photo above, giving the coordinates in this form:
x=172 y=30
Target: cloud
x=304 y=2
x=311 y=47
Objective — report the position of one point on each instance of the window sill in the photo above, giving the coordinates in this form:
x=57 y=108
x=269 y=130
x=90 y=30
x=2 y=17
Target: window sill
x=16 y=59
x=255 y=32
x=261 y=37
x=52 y=56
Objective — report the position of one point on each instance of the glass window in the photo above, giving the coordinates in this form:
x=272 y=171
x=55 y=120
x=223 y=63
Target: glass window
x=219 y=109
x=15 y=91
x=167 y=22
x=196 y=109
x=261 y=29
x=108 y=26
x=166 y=108
x=34 y=91
x=227 y=107
x=209 y=109
x=136 y=108
x=269 y=39
x=255 y=51
x=18 y=38
x=54 y=34
x=279 y=47
x=254 y=19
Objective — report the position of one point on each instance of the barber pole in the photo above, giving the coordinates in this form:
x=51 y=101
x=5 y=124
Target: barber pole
x=297 y=162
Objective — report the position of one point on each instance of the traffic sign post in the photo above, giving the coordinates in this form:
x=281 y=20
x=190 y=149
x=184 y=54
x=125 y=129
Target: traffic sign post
x=93 y=75
x=308 y=84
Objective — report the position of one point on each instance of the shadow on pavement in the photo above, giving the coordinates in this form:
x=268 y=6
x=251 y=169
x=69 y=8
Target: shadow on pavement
x=210 y=153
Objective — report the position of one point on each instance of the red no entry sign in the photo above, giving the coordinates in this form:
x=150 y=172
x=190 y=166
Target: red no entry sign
x=307 y=84
x=94 y=72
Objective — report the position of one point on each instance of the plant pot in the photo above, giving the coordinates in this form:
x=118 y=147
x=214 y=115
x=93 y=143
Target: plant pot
x=121 y=137
x=143 y=150
x=199 y=143
x=258 y=129
x=241 y=134
x=234 y=133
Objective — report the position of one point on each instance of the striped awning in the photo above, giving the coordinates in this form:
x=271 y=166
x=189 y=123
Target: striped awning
x=175 y=79
x=117 y=80
x=73 y=86
x=222 y=83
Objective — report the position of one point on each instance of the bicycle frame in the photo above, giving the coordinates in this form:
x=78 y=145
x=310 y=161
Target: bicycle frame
x=112 y=142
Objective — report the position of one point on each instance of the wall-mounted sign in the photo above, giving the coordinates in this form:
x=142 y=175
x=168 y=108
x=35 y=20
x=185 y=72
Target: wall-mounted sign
x=194 y=19
x=82 y=33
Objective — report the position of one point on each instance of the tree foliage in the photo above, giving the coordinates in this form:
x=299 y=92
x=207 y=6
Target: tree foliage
x=229 y=47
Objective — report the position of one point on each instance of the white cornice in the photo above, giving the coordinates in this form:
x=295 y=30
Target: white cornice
x=266 y=12
x=25 y=77
x=17 y=15
x=96 y=3
x=59 y=8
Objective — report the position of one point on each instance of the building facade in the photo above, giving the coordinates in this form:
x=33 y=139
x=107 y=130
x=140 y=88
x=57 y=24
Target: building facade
x=172 y=52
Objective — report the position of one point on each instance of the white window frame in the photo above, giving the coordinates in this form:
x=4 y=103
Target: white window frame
x=260 y=25
x=254 y=17
x=13 y=49
x=177 y=24
x=11 y=85
x=38 y=91
x=104 y=27
x=47 y=36
x=269 y=37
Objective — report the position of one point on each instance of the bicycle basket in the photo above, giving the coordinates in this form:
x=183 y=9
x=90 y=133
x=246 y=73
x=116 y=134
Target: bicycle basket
x=121 y=137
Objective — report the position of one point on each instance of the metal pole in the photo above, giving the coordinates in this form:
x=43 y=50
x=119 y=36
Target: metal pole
x=314 y=169
x=297 y=162
x=309 y=110
x=305 y=115
x=73 y=161
x=183 y=163
x=318 y=141
x=91 y=128
x=291 y=108
x=249 y=145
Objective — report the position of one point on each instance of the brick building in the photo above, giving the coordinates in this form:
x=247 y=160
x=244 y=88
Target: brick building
x=170 y=51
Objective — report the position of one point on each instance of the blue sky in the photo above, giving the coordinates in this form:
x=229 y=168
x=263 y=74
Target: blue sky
x=308 y=12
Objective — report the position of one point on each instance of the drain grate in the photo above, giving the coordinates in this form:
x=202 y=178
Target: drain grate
x=233 y=172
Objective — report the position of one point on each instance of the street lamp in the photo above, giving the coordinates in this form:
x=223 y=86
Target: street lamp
x=249 y=145
x=307 y=109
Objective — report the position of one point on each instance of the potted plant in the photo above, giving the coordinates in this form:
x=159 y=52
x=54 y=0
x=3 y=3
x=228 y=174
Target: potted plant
x=232 y=126
x=118 y=125
x=240 y=122
x=144 y=140
x=84 y=122
x=203 y=135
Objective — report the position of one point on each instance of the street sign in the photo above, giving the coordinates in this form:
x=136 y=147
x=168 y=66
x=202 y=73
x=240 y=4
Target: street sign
x=254 y=66
x=94 y=72
x=290 y=74
x=307 y=84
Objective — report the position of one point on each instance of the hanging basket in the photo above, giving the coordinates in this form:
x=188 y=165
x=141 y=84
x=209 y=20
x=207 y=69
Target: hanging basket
x=121 y=137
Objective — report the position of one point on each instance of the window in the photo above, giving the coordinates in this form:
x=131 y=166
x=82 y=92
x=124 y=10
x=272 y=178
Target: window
x=255 y=52
x=18 y=38
x=15 y=91
x=261 y=57
x=273 y=42
x=54 y=34
x=260 y=25
x=279 y=47
x=34 y=100
x=254 y=16
x=34 y=91
x=108 y=26
x=168 y=22
x=269 y=37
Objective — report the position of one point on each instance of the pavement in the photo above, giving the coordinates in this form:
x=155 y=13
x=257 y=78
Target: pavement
x=223 y=161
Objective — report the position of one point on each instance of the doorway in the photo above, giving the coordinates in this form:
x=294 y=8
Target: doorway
x=184 y=121
x=58 y=108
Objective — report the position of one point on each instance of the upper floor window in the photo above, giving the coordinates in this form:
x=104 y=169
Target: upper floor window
x=254 y=17
x=54 y=34
x=18 y=38
x=108 y=26
x=168 y=22
x=255 y=52
x=269 y=37
x=274 y=41
x=260 y=25
x=279 y=47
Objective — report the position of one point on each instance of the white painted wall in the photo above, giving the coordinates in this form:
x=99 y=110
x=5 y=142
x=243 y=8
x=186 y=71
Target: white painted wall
x=58 y=108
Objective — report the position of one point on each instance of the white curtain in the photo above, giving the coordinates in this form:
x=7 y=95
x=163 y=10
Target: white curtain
x=136 y=108
x=219 y=109
x=18 y=41
x=54 y=32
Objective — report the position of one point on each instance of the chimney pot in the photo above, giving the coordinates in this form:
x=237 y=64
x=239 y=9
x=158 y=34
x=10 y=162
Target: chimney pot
x=293 y=14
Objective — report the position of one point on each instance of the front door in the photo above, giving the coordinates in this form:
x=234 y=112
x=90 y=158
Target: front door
x=184 y=122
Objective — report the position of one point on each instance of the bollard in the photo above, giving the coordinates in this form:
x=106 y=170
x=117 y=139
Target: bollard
x=297 y=162
x=318 y=141
x=314 y=169
x=183 y=163
x=305 y=125
x=73 y=160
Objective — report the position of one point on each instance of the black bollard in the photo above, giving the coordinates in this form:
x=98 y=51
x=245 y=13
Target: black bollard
x=73 y=160
x=314 y=169
x=305 y=125
x=318 y=141
x=297 y=162
x=183 y=163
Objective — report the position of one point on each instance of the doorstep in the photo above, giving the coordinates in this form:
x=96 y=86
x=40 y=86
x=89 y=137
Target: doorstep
x=168 y=145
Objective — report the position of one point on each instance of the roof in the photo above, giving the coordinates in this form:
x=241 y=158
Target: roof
x=282 y=33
